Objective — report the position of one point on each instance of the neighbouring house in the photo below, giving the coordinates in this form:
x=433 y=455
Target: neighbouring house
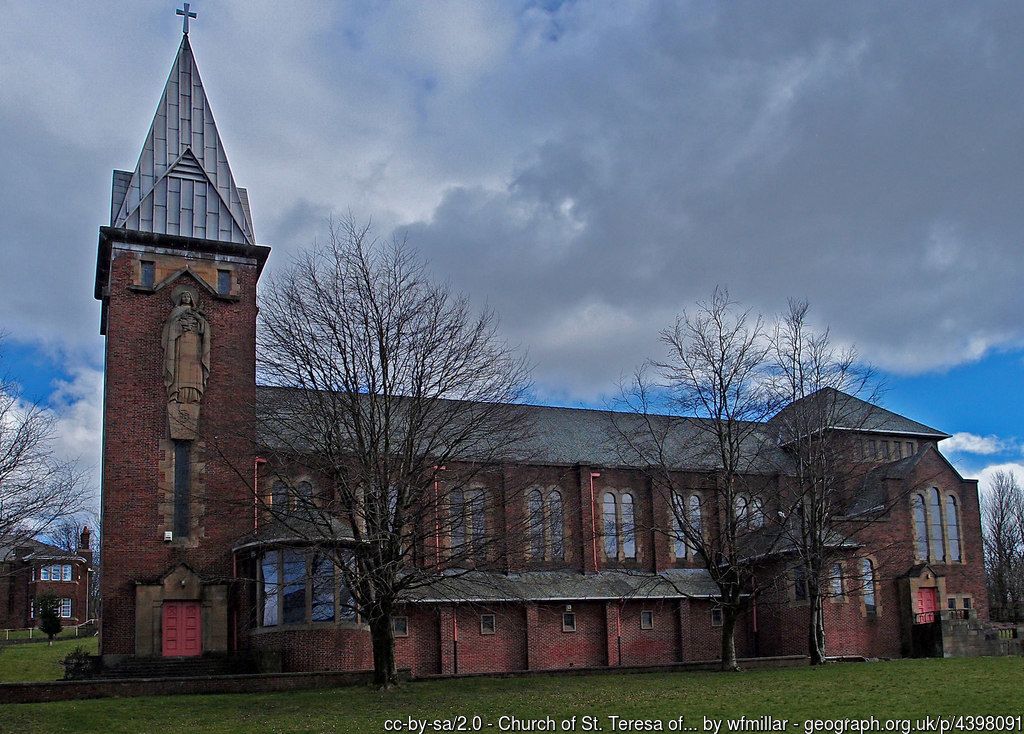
x=30 y=568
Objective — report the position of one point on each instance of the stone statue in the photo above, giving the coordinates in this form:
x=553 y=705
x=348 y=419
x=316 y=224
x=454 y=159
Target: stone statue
x=186 y=344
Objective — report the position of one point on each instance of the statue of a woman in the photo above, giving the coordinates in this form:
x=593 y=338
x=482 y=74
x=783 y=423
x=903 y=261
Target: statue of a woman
x=186 y=343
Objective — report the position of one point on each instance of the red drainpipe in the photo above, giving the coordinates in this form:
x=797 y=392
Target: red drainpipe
x=455 y=639
x=593 y=517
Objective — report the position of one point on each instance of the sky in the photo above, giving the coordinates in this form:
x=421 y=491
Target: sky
x=587 y=169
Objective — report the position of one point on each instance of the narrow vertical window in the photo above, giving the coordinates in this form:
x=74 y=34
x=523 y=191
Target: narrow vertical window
x=935 y=525
x=646 y=620
x=346 y=604
x=836 y=580
x=458 y=520
x=65 y=573
x=224 y=282
x=148 y=273
x=269 y=575
x=182 y=484
x=920 y=527
x=294 y=587
x=678 y=533
x=872 y=449
x=279 y=496
x=756 y=512
x=800 y=582
x=321 y=578
x=65 y=608
x=909 y=446
x=694 y=519
x=868 y=579
x=304 y=494
x=611 y=527
x=535 y=504
x=739 y=505
x=479 y=520
x=556 y=520
x=628 y=527
x=952 y=529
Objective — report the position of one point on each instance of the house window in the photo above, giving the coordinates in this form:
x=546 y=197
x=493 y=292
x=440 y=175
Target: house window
x=224 y=282
x=535 y=504
x=716 y=617
x=568 y=622
x=148 y=272
x=400 y=626
x=487 y=624
x=646 y=620
x=951 y=602
x=65 y=574
x=836 y=580
x=556 y=525
x=920 y=527
x=868 y=579
x=935 y=525
x=967 y=602
x=952 y=529
x=468 y=521
x=65 y=608
x=547 y=526
x=799 y=582
x=44 y=573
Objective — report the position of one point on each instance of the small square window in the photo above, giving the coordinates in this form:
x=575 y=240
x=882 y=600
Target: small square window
x=487 y=624
x=66 y=573
x=967 y=602
x=400 y=626
x=951 y=602
x=646 y=620
x=716 y=617
x=148 y=273
x=872 y=449
x=569 y=622
x=224 y=282
x=909 y=445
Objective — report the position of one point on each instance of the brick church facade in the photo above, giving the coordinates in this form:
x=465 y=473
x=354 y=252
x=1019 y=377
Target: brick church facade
x=187 y=572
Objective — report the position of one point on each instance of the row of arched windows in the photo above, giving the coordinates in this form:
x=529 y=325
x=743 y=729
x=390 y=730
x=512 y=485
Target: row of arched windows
x=289 y=497
x=936 y=526
x=547 y=526
x=686 y=525
x=747 y=511
x=619 y=526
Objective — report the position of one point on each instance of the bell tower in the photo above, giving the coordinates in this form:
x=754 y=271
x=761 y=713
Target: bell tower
x=176 y=273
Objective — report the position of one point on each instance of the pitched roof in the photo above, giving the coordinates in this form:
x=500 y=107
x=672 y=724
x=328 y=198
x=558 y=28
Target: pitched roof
x=182 y=184
x=39 y=550
x=482 y=586
x=852 y=413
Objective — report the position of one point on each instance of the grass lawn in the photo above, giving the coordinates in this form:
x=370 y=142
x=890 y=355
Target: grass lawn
x=38 y=661
x=903 y=689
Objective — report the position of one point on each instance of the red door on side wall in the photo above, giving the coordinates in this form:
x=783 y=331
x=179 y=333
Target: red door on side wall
x=183 y=633
x=927 y=604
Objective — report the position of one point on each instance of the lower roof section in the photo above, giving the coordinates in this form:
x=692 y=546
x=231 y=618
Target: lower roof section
x=483 y=586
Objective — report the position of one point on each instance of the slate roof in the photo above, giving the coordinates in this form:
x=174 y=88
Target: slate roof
x=40 y=551
x=860 y=415
x=297 y=531
x=481 y=586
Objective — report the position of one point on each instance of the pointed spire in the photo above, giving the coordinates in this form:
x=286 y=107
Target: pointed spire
x=182 y=184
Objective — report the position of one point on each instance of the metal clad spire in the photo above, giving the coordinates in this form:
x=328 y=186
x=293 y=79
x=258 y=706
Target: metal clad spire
x=183 y=184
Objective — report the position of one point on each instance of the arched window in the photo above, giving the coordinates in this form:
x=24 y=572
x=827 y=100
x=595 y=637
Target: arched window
x=457 y=503
x=678 y=534
x=920 y=527
x=694 y=519
x=756 y=513
x=279 y=496
x=952 y=528
x=868 y=579
x=556 y=521
x=304 y=494
x=535 y=503
x=740 y=507
x=611 y=527
x=935 y=525
x=628 y=527
x=478 y=518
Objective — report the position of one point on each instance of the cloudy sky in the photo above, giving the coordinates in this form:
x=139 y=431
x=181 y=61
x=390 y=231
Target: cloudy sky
x=587 y=168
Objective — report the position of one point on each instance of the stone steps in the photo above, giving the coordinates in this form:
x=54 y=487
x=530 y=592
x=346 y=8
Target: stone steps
x=169 y=667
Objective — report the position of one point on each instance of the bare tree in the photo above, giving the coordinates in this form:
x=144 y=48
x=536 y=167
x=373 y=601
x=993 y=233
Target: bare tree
x=714 y=383
x=37 y=488
x=401 y=400
x=1002 y=521
x=828 y=394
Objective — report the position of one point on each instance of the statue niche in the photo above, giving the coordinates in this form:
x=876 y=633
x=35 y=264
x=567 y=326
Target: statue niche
x=186 y=345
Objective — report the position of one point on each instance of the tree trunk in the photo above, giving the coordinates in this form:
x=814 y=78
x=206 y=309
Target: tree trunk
x=385 y=673
x=729 y=639
x=815 y=628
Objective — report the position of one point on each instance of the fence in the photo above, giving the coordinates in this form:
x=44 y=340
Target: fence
x=33 y=633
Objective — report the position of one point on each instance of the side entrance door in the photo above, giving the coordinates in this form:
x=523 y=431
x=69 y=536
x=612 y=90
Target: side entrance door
x=182 y=629
x=927 y=604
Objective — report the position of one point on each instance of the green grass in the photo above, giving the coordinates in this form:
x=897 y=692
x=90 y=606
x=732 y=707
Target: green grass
x=35 y=634
x=902 y=689
x=38 y=661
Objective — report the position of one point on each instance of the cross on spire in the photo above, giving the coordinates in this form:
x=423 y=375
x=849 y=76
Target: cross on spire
x=185 y=15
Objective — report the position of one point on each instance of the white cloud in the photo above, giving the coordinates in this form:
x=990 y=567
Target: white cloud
x=971 y=443
x=986 y=474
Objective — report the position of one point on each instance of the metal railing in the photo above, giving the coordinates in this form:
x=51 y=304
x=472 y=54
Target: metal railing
x=34 y=633
x=940 y=614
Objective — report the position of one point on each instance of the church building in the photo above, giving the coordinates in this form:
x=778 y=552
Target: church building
x=185 y=573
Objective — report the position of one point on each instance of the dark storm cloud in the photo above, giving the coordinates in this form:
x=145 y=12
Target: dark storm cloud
x=589 y=169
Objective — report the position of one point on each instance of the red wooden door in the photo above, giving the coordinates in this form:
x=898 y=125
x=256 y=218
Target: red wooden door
x=927 y=604
x=182 y=629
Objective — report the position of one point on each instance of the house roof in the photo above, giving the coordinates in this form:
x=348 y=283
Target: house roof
x=38 y=551
x=481 y=586
x=315 y=528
